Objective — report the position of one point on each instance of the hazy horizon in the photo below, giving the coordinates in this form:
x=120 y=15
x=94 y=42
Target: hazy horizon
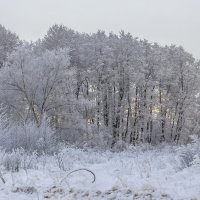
x=165 y=22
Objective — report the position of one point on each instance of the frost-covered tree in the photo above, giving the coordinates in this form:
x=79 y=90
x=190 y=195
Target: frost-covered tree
x=8 y=42
x=98 y=88
x=32 y=85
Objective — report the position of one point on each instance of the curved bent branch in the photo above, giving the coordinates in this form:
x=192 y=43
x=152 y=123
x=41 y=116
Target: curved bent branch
x=82 y=169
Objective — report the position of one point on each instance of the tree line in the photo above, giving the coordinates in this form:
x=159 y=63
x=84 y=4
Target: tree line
x=97 y=88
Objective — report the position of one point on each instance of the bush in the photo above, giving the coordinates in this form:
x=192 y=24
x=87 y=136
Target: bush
x=29 y=137
x=189 y=153
x=12 y=161
x=19 y=159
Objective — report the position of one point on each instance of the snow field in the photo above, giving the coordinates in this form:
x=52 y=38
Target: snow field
x=141 y=173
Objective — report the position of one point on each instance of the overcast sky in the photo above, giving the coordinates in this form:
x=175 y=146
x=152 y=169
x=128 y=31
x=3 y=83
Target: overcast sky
x=162 y=21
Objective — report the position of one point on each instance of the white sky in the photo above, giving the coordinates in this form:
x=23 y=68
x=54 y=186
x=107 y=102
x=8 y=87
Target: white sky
x=162 y=21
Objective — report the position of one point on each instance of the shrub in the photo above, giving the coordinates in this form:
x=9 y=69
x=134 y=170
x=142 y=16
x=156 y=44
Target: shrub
x=29 y=137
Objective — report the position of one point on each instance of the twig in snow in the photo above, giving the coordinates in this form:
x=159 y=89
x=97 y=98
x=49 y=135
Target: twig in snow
x=82 y=169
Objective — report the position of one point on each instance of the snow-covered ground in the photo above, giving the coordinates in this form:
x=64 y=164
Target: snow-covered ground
x=141 y=173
